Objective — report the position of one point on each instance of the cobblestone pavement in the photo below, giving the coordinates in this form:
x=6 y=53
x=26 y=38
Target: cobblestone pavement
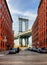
x=24 y=58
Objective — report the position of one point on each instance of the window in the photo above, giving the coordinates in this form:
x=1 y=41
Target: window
x=46 y=7
x=0 y=15
x=1 y=34
x=43 y=26
x=3 y=44
x=46 y=23
x=46 y=13
x=46 y=39
x=0 y=5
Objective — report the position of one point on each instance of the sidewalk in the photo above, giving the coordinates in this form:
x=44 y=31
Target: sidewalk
x=4 y=52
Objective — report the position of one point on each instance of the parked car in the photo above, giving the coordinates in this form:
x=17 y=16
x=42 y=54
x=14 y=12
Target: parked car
x=14 y=50
x=42 y=50
x=38 y=50
x=34 y=49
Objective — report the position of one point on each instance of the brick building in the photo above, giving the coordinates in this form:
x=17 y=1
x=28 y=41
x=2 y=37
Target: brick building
x=35 y=33
x=6 y=33
x=42 y=25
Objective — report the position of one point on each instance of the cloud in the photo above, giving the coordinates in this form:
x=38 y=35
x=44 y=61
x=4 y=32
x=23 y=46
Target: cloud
x=7 y=1
x=15 y=13
x=26 y=13
x=29 y=14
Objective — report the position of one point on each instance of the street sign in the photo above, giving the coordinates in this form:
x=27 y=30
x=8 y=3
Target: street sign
x=5 y=40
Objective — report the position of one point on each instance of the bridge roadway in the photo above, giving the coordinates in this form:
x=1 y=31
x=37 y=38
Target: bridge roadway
x=23 y=34
x=24 y=58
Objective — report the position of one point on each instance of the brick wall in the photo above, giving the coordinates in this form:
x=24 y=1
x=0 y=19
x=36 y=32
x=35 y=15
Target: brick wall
x=5 y=26
x=42 y=25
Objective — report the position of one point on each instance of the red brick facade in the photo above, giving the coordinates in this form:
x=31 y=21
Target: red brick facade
x=35 y=33
x=42 y=26
x=5 y=27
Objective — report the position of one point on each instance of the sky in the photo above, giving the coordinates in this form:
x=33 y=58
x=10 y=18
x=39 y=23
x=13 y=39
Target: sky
x=23 y=8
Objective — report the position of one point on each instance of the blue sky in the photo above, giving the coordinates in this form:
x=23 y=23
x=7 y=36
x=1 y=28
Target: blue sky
x=23 y=8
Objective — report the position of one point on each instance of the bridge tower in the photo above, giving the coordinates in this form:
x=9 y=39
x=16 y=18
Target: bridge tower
x=21 y=20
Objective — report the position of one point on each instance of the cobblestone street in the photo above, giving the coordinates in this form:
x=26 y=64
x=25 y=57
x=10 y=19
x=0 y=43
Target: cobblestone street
x=24 y=58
